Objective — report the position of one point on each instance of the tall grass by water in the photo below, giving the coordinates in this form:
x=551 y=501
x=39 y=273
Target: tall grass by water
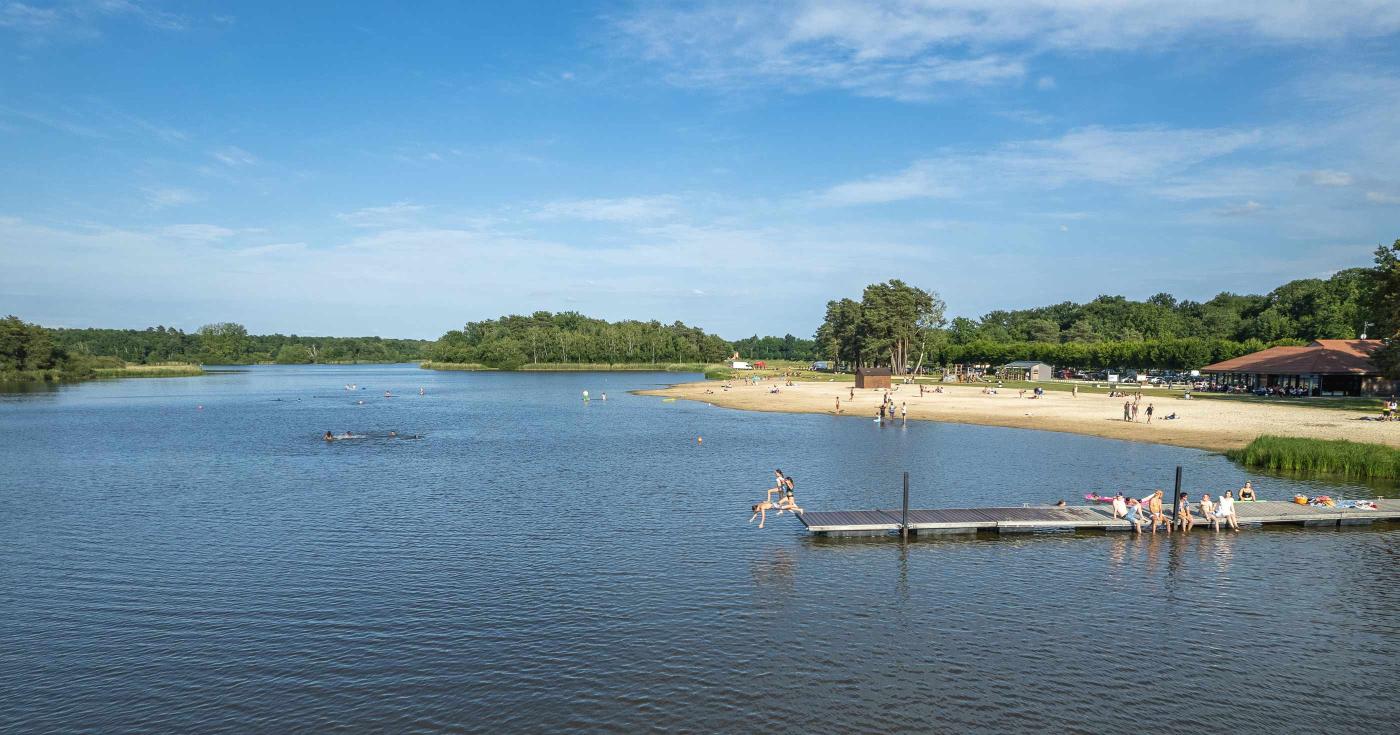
x=160 y=370
x=1336 y=457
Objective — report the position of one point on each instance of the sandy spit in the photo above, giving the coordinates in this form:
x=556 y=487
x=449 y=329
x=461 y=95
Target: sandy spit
x=1215 y=425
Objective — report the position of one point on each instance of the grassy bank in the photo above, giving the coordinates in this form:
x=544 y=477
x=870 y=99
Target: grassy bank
x=1335 y=457
x=466 y=366
x=162 y=370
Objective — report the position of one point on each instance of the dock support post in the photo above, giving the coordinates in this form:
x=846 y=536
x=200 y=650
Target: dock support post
x=904 y=517
x=1176 y=496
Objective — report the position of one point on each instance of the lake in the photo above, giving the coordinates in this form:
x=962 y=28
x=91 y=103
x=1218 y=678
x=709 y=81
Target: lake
x=187 y=555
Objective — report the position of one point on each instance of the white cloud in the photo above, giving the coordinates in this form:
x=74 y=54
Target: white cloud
x=200 y=232
x=1241 y=210
x=1144 y=156
x=233 y=156
x=1045 y=83
x=919 y=181
x=164 y=197
x=1326 y=177
x=627 y=209
x=909 y=49
x=1378 y=197
x=390 y=215
x=82 y=19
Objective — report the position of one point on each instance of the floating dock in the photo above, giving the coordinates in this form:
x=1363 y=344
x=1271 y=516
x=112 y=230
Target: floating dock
x=1073 y=518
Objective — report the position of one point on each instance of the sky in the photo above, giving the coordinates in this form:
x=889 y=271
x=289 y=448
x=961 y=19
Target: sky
x=399 y=169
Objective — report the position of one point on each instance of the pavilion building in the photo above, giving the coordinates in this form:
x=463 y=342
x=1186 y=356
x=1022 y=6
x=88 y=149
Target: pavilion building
x=1327 y=367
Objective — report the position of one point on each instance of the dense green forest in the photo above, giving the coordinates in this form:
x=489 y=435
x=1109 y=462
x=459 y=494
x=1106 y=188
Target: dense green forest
x=511 y=342
x=902 y=326
x=227 y=343
x=30 y=352
x=786 y=347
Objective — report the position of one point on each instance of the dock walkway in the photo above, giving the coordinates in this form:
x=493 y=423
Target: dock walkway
x=1072 y=518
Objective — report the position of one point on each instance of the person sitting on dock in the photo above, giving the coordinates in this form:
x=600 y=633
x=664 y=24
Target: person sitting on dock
x=760 y=511
x=1227 y=510
x=1120 y=506
x=1208 y=512
x=1134 y=515
x=1247 y=493
x=1154 y=507
x=1182 y=514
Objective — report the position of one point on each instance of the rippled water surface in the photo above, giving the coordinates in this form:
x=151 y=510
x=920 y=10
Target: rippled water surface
x=537 y=564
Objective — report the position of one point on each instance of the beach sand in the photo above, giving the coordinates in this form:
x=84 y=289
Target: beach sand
x=1213 y=424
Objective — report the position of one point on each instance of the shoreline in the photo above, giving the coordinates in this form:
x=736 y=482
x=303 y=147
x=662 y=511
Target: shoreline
x=1211 y=425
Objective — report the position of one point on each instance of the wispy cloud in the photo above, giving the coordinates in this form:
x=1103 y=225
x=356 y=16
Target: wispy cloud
x=1241 y=210
x=233 y=156
x=1326 y=177
x=165 y=197
x=919 y=181
x=199 y=232
x=397 y=214
x=912 y=49
x=1380 y=197
x=627 y=209
x=82 y=19
x=1143 y=155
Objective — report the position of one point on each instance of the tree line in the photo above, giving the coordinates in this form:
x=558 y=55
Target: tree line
x=514 y=341
x=228 y=343
x=903 y=327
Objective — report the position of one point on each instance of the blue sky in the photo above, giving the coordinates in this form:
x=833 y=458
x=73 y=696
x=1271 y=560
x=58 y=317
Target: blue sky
x=398 y=169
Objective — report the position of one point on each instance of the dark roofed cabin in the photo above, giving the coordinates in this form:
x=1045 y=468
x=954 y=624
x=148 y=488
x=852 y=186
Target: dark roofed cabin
x=873 y=377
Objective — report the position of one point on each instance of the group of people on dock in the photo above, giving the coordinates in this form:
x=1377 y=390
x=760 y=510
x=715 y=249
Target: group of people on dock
x=1150 y=511
x=784 y=490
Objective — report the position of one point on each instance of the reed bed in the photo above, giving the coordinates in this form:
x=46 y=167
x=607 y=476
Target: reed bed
x=1336 y=457
x=164 y=370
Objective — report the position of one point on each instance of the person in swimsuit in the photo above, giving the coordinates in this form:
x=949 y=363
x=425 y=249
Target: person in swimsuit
x=779 y=485
x=1154 y=507
x=760 y=511
x=1247 y=492
x=1182 y=514
x=1120 y=506
x=1208 y=512
x=329 y=437
x=787 y=501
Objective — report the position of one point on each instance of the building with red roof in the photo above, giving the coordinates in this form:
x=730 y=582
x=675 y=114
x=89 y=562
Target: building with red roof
x=1325 y=367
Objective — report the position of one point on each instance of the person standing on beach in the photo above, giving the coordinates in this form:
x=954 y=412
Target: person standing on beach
x=1135 y=411
x=853 y=392
x=904 y=412
x=1149 y=413
x=1127 y=410
x=1074 y=392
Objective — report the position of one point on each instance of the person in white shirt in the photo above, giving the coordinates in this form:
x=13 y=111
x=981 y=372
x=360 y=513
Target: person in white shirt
x=1208 y=512
x=1120 y=506
x=1226 y=510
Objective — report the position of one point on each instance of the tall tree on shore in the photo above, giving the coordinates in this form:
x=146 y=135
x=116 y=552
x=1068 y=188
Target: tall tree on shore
x=224 y=342
x=1385 y=307
x=839 y=337
x=896 y=314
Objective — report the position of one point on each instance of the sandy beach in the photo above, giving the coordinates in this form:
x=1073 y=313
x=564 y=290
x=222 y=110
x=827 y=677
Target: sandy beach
x=1211 y=424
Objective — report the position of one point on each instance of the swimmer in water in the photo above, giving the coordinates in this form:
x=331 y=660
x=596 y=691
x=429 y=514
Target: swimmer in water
x=347 y=435
x=329 y=437
x=393 y=434
x=387 y=394
x=420 y=391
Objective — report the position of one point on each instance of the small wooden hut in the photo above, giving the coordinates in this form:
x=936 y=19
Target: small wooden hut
x=873 y=377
